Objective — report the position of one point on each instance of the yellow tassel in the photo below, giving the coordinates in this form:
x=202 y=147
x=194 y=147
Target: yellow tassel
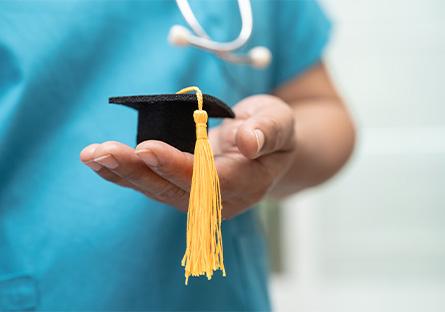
x=204 y=250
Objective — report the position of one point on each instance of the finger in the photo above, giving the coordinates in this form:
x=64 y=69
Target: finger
x=87 y=157
x=110 y=176
x=168 y=162
x=222 y=138
x=270 y=127
x=123 y=161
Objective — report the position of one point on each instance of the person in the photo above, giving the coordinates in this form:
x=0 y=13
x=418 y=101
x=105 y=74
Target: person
x=69 y=241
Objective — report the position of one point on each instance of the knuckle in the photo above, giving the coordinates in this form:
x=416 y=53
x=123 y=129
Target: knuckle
x=132 y=175
x=170 y=193
x=273 y=131
x=108 y=175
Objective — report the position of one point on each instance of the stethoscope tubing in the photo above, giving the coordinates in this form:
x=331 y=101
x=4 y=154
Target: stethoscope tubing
x=257 y=57
x=202 y=39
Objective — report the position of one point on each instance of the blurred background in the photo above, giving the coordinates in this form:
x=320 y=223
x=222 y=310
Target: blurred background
x=373 y=238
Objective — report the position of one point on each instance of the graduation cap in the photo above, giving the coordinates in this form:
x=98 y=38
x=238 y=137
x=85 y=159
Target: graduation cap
x=169 y=117
x=181 y=120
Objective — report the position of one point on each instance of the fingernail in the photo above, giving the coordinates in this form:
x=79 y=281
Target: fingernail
x=259 y=139
x=107 y=161
x=93 y=165
x=234 y=132
x=148 y=157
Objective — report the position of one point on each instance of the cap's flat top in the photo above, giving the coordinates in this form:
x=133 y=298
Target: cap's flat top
x=214 y=106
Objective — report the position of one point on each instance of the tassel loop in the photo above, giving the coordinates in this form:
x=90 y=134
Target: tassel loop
x=198 y=94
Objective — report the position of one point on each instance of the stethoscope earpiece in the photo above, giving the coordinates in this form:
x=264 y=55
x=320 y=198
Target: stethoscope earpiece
x=179 y=35
x=258 y=57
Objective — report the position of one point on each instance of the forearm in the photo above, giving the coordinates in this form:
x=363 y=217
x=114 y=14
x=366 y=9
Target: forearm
x=324 y=131
x=324 y=135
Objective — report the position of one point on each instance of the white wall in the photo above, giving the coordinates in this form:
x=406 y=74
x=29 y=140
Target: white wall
x=373 y=239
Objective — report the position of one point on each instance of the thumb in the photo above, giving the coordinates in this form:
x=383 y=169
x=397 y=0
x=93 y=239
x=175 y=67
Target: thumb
x=269 y=127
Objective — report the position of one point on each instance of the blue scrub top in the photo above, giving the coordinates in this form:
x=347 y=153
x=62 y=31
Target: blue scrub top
x=71 y=241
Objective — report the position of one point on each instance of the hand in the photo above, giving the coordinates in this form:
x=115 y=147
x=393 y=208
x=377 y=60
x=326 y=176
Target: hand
x=252 y=153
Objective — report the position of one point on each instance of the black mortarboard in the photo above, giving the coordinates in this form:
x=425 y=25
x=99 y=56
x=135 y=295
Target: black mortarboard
x=169 y=117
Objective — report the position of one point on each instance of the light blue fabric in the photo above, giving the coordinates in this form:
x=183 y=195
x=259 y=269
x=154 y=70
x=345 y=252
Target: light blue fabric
x=71 y=241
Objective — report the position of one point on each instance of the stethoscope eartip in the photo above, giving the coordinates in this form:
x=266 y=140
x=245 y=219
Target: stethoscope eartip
x=179 y=35
x=260 y=57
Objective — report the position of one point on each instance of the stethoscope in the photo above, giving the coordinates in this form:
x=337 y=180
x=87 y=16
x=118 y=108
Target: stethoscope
x=258 y=56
